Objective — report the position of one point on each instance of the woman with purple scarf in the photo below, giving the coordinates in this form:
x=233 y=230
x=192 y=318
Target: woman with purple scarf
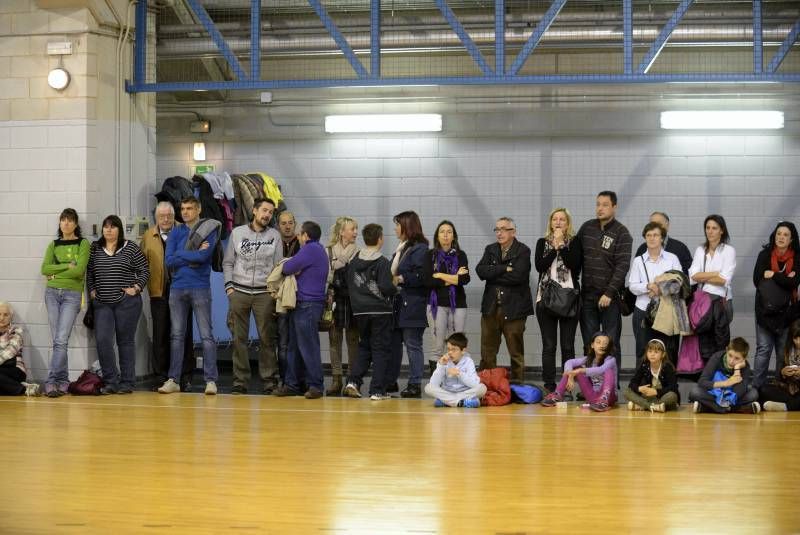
x=448 y=274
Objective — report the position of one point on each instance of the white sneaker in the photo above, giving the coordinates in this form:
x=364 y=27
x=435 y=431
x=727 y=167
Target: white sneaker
x=32 y=390
x=351 y=391
x=380 y=397
x=658 y=407
x=633 y=406
x=169 y=387
x=775 y=406
x=211 y=388
x=696 y=407
x=755 y=407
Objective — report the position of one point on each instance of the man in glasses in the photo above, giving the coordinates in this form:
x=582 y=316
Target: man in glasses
x=507 y=300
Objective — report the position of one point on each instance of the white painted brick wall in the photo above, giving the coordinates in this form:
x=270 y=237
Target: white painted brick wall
x=524 y=170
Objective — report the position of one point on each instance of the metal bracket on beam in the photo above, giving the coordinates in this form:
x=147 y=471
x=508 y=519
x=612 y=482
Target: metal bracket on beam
x=202 y=15
x=779 y=56
x=661 y=41
x=337 y=36
x=466 y=40
x=536 y=36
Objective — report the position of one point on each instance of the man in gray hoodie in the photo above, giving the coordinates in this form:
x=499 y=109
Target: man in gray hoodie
x=252 y=251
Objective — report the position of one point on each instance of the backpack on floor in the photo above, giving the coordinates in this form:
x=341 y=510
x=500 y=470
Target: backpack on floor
x=88 y=384
x=526 y=393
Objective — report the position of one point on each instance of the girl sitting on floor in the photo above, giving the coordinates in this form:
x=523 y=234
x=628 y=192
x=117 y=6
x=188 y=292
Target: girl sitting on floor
x=654 y=386
x=596 y=375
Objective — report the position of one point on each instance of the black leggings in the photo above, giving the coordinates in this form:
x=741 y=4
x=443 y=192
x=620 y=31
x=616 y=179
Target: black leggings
x=11 y=381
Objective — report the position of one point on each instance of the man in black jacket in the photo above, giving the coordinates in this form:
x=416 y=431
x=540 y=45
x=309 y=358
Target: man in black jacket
x=507 y=300
x=606 y=247
x=671 y=245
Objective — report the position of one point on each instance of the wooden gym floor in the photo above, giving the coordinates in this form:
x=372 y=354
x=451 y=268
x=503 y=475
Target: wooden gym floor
x=148 y=463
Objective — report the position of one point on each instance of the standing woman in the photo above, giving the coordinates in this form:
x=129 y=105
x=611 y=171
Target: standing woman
x=447 y=271
x=64 y=266
x=558 y=258
x=408 y=274
x=117 y=273
x=775 y=279
x=341 y=249
x=713 y=266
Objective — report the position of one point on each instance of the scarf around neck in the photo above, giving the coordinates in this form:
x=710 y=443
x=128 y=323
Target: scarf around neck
x=444 y=262
x=787 y=259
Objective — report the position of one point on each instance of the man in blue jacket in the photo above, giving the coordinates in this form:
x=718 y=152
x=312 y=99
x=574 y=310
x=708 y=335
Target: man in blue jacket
x=310 y=267
x=188 y=257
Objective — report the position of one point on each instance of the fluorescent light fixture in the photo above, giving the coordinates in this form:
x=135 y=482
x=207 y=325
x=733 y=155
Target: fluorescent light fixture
x=58 y=79
x=409 y=122
x=722 y=120
x=199 y=152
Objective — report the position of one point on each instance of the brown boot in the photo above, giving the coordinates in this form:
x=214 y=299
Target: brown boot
x=336 y=386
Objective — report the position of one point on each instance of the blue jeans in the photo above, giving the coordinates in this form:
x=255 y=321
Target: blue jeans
x=412 y=338
x=766 y=341
x=304 y=352
x=117 y=321
x=62 y=309
x=199 y=301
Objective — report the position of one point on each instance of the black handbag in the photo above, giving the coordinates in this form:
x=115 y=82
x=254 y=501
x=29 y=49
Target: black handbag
x=88 y=316
x=561 y=302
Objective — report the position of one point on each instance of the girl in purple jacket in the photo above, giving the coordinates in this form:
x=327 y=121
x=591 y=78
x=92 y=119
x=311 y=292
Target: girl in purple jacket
x=595 y=374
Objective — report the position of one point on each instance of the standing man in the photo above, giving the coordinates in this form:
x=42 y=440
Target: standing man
x=606 y=259
x=507 y=300
x=286 y=226
x=671 y=245
x=252 y=251
x=310 y=267
x=154 y=244
x=189 y=253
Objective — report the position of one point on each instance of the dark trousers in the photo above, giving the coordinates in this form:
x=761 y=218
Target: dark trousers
x=11 y=379
x=117 y=322
x=282 y=342
x=549 y=326
x=374 y=346
x=495 y=325
x=745 y=395
x=643 y=334
x=159 y=310
x=304 y=356
x=770 y=392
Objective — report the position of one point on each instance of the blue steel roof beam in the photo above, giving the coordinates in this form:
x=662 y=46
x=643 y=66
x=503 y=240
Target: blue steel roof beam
x=255 y=39
x=758 y=38
x=499 y=36
x=661 y=41
x=627 y=36
x=140 y=57
x=536 y=36
x=338 y=38
x=466 y=40
x=777 y=59
x=202 y=15
x=593 y=79
x=375 y=38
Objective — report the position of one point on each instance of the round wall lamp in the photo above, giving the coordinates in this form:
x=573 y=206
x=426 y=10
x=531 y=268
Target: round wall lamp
x=58 y=79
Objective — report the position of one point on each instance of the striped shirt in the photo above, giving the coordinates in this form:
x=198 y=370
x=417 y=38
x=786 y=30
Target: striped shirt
x=109 y=274
x=606 y=257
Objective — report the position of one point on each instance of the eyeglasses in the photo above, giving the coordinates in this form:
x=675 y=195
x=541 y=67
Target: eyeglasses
x=503 y=229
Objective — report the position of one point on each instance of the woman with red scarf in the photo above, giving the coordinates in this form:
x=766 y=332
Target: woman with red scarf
x=448 y=273
x=775 y=279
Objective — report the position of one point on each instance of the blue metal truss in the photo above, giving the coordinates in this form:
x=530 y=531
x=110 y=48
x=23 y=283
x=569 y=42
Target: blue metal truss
x=499 y=75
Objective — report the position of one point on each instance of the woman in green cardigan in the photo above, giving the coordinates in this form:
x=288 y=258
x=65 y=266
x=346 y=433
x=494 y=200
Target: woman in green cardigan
x=64 y=266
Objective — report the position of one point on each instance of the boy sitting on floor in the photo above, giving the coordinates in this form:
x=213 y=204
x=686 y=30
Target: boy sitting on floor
x=455 y=382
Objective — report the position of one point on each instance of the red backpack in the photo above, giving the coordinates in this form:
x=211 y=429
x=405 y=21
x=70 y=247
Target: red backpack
x=88 y=384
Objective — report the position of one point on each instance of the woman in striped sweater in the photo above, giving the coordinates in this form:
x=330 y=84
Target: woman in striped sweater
x=117 y=273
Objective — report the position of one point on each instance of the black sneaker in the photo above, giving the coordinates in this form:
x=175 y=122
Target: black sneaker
x=238 y=390
x=393 y=388
x=108 y=390
x=285 y=391
x=411 y=391
x=269 y=388
x=313 y=393
x=125 y=390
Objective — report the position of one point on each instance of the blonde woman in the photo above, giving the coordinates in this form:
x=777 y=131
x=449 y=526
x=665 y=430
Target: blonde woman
x=341 y=249
x=558 y=258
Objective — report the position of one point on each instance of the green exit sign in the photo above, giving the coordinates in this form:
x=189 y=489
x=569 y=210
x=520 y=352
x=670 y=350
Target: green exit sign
x=200 y=169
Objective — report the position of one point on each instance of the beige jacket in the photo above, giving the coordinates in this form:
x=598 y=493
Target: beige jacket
x=283 y=289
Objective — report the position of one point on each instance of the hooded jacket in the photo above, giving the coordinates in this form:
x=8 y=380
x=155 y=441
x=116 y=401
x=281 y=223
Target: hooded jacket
x=369 y=281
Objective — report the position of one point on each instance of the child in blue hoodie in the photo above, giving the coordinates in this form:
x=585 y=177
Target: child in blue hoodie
x=455 y=382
